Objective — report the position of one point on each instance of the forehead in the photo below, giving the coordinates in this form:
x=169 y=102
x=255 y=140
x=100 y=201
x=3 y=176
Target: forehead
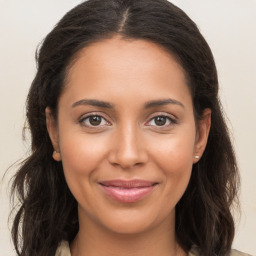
x=115 y=65
x=127 y=54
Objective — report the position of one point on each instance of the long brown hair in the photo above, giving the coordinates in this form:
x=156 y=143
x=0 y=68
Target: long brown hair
x=48 y=211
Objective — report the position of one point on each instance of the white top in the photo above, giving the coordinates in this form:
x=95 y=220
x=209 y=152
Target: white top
x=64 y=250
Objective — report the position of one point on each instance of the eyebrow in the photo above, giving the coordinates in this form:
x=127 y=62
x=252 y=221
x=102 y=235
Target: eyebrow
x=104 y=104
x=156 y=103
x=93 y=102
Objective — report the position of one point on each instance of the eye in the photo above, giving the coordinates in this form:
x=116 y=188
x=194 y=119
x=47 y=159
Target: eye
x=161 y=121
x=94 y=120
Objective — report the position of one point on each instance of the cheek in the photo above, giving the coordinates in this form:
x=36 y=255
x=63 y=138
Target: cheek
x=82 y=157
x=174 y=154
x=82 y=153
x=174 y=157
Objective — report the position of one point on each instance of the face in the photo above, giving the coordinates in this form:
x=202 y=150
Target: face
x=126 y=135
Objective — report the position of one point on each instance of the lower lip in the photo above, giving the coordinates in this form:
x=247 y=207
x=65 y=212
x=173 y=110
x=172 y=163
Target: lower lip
x=127 y=195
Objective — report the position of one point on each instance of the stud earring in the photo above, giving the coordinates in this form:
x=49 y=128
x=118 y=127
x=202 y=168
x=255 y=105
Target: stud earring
x=197 y=157
x=56 y=156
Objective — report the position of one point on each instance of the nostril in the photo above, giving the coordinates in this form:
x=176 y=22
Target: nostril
x=127 y=151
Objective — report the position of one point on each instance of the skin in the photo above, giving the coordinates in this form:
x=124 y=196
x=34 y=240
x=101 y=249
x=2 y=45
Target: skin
x=127 y=144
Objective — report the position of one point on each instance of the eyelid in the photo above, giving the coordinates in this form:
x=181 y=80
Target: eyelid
x=171 y=117
x=100 y=114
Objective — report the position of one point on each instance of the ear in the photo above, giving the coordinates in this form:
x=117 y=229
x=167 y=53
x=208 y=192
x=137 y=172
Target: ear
x=52 y=129
x=203 y=130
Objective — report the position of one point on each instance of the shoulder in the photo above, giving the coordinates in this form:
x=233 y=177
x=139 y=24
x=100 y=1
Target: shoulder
x=237 y=253
x=194 y=252
x=63 y=249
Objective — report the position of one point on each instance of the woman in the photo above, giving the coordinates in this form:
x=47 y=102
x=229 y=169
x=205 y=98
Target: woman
x=130 y=151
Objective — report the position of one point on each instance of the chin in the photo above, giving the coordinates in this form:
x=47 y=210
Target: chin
x=132 y=222
x=128 y=228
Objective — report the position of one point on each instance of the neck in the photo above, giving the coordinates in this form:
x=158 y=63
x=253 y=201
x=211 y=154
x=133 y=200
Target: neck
x=94 y=240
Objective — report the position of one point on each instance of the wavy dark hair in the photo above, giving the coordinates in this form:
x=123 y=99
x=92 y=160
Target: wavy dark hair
x=47 y=213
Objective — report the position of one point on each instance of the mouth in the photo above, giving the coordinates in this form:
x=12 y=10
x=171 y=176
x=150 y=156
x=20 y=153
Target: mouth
x=127 y=191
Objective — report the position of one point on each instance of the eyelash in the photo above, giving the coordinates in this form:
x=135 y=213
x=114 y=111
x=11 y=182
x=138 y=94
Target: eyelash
x=91 y=115
x=172 y=121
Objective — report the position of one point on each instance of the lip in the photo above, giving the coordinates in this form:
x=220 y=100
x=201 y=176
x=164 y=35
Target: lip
x=127 y=191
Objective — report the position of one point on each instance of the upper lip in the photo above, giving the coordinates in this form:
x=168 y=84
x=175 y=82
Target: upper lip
x=136 y=183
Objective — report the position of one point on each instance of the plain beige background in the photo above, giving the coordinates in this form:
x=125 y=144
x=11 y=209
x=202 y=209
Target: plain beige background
x=229 y=26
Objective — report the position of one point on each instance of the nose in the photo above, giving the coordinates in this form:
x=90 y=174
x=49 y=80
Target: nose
x=128 y=149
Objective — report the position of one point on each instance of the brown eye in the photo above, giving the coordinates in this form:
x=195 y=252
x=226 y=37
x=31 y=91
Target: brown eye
x=160 y=120
x=95 y=120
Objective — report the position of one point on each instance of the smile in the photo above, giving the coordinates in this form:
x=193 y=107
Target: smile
x=127 y=191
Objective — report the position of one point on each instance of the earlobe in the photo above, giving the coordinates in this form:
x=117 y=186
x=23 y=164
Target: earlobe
x=203 y=130
x=52 y=129
x=56 y=156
